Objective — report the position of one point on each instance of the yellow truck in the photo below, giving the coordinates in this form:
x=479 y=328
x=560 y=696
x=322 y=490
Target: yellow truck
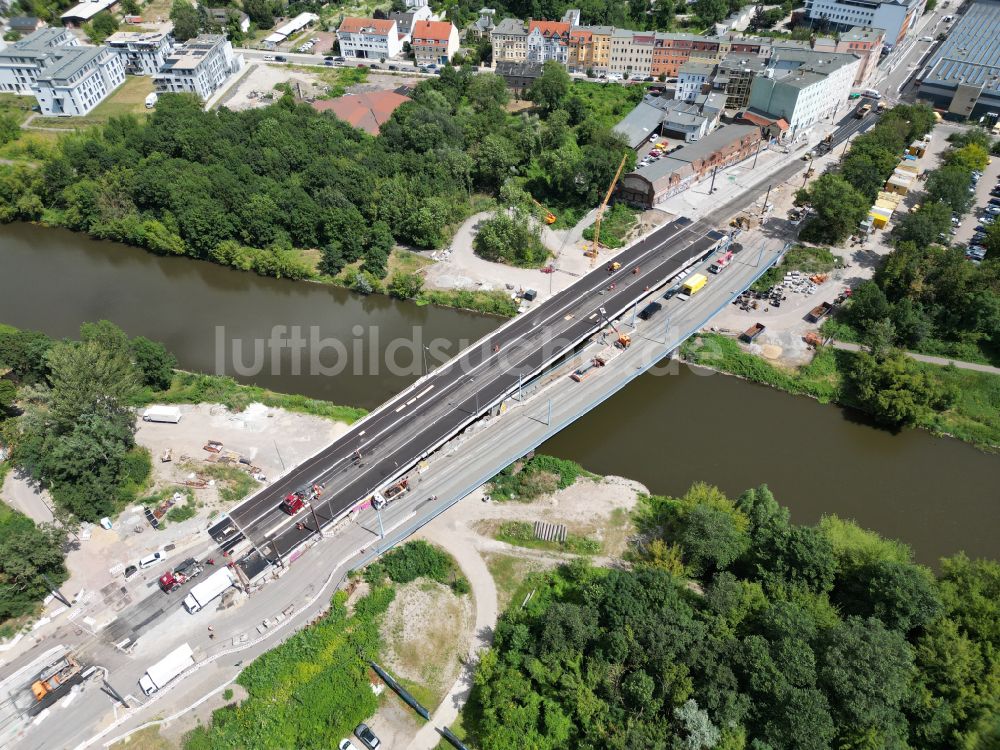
x=692 y=286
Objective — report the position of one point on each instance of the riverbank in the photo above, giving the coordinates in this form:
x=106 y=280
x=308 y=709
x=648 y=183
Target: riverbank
x=973 y=418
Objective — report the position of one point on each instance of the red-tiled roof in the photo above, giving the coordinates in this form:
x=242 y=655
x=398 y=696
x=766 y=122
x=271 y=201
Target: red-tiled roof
x=581 y=34
x=436 y=30
x=353 y=25
x=365 y=111
x=549 y=28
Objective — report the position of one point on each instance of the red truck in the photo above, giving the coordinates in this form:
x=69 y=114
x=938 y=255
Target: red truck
x=174 y=579
x=296 y=501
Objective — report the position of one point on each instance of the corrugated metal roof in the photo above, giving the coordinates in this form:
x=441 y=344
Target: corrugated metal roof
x=970 y=55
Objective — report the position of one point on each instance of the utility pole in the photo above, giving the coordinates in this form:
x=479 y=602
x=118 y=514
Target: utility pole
x=55 y=590
x=424 y=352
x=319 y=529
x=763 y=209
x=711 y=188
x=759 y=144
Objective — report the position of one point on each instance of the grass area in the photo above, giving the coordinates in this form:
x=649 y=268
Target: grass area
x=192 y=388
x=129 y=98
x=974 y=418
x=234 y=484
x=406 y=261
x=145 y=739
x=799 y=258
x=539 y=475
x=155 y=498
x=509 y=575
x=617 y=223
x=417 y=559
x=522 y=534
x=493 y=302
x=310 y=691
x=339 y=79
x=19 y=107
x=607 y=104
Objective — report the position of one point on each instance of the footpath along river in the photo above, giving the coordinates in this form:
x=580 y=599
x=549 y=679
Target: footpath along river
x=938 y=495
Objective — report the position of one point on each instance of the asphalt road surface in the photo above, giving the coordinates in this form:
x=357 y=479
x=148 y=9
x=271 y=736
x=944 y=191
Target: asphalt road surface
x=395 y=437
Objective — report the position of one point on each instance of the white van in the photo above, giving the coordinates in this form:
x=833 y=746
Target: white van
x=872 y=94
x=150 y=560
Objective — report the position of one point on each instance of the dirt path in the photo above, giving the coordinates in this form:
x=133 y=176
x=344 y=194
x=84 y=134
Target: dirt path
x=460 y=542
x=926 y=358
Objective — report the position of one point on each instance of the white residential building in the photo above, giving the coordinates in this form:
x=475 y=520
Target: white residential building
x=78 y=80
x=548 y=40
x=631 y=53
x=802 y=87
x=897 y=17
x=691 y=77
x=369 y=38
x=143 y=52
x=21 y=61
x=199 y=66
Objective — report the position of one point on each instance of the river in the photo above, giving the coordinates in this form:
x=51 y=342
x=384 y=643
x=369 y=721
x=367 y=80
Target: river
x=938 y=495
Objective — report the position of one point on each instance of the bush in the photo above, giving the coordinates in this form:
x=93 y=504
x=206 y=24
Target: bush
x=537 y=476
x=416 y=559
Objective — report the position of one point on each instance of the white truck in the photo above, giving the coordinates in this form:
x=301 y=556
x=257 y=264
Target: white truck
x=166 y=669
x=170 y=414
x=208 y=589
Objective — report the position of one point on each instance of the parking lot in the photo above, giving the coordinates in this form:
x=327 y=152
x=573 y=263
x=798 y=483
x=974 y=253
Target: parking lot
x=980 y=216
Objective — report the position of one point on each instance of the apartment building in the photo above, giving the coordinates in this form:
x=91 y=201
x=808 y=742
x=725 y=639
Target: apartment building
x=21 y=62
x=405 y=21
x=77 y=80
x=510 y=41
x=199 y=66
x=692 y=79
x=632 y=53
x=897 y=17
x=867 y=44
x=735 y=75
x=589 y=48
x=802 y=87
x=369 y=38
x=548 y=40
x=434 y=42
x=142 y=52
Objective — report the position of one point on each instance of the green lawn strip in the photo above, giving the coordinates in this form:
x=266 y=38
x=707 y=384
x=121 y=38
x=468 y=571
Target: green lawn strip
x=974 y=418
x=193 y=388
x=615 y=226
x=522 y=534
x=526 y=480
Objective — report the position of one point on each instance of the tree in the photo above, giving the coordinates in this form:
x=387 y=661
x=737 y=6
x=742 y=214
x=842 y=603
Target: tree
x=405 y=285
x=261 y=12
x=866 y=672
x=950 y=185
x=868 y=306
x=711 y=11
x=712 y=538
x=129 y=7
x=8 y=393
x=551 y=87
x=487 y=92
x=901 y=595
x=972 y=156
x=156 y=364
x=895 y=390
x=839 y=209
x=102 y=26
x=925 y=225
x=508 y=237
x=10 y=129
x=27 y=553
x=187 y=22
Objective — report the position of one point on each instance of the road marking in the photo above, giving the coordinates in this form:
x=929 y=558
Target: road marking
x=425 y=391
x=400 y=408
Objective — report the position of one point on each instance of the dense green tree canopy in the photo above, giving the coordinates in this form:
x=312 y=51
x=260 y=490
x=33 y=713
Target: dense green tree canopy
x=868 y=650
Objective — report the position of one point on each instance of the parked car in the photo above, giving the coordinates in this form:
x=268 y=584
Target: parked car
x=130 y=571
x=367 y=737
x=347 y=745
x=328 y=57
x=340 y=59
x=994 y=202
x=280 y=58
x=150 y=560
x=375 y=66
x=393 y=67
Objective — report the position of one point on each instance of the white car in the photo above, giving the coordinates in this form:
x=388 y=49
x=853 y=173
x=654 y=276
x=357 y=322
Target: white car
x=150 y=560
x=347 y=745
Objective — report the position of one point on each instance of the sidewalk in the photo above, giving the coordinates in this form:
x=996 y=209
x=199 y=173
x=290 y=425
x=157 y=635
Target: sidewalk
x=943 y=361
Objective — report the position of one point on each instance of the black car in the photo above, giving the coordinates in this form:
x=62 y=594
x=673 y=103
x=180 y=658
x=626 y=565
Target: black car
x=340 y=59
x=367 y=737
x=280 y=58
x=650 y=310
x=995 y=192
x=130 y=571
x=995 y=201
x=374 y=66
x=393 y=67
x=328 y=57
